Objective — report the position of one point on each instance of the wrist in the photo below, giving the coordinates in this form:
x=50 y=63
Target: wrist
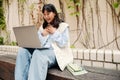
x=43 y=34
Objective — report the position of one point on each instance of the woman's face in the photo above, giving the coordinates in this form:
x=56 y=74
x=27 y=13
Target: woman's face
x=48 y=16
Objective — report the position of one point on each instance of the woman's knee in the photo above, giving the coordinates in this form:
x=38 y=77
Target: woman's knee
x=23 y=52
x=36 y=53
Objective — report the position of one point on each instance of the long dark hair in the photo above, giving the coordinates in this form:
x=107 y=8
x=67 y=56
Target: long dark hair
x=56 y=21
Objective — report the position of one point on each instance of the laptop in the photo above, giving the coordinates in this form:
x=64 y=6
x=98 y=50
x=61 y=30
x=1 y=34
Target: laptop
x=27 y=36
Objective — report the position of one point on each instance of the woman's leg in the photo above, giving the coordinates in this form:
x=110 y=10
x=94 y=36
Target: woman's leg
x=40 y=62
x=22 y=64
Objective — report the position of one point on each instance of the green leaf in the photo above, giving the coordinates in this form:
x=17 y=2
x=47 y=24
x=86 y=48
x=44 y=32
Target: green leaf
x=72 y=46
x=115 y=5
x=13 y=43
x=70 y=7
x=71 y=0
x=32 y=6
x=77 y=4
x=75 y=14
x=22 y=1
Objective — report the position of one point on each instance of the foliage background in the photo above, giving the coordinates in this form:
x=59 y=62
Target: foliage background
x=93 y=23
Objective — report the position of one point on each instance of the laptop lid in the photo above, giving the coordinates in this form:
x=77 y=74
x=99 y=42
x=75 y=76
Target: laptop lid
x=27 y=36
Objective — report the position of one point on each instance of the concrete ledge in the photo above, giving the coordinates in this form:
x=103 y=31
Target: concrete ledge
x=103 y=58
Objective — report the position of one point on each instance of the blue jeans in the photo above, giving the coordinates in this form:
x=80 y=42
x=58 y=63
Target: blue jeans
x=34 y=66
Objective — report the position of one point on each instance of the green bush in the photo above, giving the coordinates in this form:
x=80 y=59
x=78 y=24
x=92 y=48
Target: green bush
x=13 y=43
x=1 y=40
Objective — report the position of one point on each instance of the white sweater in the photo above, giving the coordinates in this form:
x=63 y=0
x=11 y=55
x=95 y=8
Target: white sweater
x=64 y=55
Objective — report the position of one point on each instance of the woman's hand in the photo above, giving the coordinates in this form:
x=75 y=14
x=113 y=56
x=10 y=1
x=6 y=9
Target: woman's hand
x=48 y=30
x=51 y=29
x=45 y=32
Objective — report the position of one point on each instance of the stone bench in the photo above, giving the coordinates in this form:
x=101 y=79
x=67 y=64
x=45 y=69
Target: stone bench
x=8 y=57
x=7 y=66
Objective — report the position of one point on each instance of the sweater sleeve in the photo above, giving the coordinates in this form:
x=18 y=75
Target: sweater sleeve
x=61 y=38
x=42 y=38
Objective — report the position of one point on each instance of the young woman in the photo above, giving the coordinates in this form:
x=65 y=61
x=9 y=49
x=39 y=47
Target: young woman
x=33 y=64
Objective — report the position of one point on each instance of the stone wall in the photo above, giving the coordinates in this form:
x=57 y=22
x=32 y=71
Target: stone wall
x=97 y=29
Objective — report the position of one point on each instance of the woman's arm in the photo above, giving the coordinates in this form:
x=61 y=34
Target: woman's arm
x=42 y=38
x=61 y=38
